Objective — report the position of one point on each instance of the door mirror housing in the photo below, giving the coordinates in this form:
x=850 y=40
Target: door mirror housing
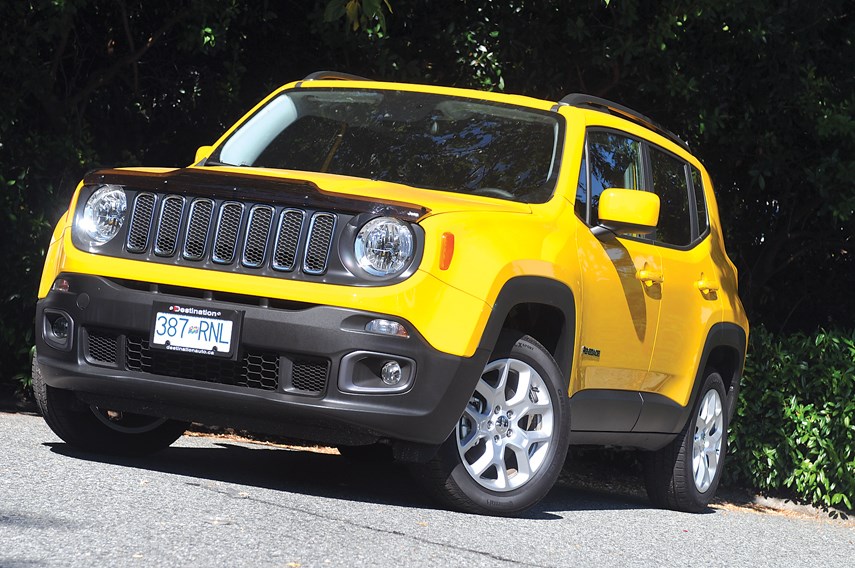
x=202 y=153
x=629 y=211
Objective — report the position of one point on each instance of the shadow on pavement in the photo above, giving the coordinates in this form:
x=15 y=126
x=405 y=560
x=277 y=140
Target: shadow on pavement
x=332 y=476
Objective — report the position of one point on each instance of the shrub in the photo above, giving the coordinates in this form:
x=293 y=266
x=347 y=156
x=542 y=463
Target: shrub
x=794 y=428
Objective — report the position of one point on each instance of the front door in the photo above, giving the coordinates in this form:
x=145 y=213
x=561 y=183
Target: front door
x=620 y=310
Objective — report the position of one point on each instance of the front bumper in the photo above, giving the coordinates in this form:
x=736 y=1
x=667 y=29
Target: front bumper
x=297 y=371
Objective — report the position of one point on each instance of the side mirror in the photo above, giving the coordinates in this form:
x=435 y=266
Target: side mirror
x=202 y=153
x=629 y=211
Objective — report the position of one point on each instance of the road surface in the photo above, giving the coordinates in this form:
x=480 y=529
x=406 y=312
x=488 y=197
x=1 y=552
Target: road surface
x=219 y=502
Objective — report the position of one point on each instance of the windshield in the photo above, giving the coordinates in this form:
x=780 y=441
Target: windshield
x=418 y=139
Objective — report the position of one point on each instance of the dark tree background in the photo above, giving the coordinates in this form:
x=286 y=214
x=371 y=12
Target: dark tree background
x=764 y=91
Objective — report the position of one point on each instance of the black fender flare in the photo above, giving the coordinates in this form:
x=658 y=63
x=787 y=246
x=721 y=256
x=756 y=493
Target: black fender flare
x=536 y=290
x=725 y=334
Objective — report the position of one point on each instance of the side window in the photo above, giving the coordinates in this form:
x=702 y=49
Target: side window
x=671 y=184
x=613 y=160
x=700 y=201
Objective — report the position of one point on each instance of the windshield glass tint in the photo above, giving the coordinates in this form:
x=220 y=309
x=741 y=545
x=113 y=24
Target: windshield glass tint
x=430 y=141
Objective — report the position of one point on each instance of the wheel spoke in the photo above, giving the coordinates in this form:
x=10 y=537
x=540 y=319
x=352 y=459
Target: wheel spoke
x=713 y=413
x=481 y=465
x=715 y=436
x=523 y=387
x=502 y=479
x=474 y=416
x=700 y=472
x=534 y=436
x=471 y=440
x=523 y=464
x=499 y=391
x=711 y=455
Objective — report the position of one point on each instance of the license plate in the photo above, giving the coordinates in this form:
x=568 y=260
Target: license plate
x=194 y=329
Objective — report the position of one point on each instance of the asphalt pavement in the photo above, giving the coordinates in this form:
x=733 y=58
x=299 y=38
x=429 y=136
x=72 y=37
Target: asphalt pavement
x=219 y=502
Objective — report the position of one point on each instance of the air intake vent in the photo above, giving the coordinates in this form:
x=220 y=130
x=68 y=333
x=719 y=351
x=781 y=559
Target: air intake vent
x=258 y=370
x=101 y=347
x=309 y=376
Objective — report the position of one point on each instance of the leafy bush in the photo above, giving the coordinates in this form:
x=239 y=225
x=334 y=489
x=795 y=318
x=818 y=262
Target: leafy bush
x=794 y=428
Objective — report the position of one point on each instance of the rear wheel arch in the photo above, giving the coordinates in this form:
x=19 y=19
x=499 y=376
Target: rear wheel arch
x=724 y=351
x=540 y=307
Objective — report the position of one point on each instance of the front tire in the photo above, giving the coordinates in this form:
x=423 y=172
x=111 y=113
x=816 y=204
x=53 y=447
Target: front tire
x=508 y=447
x=685 y=474
x=101 y=430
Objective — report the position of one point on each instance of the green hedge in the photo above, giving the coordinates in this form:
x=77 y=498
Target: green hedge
x=794 y=428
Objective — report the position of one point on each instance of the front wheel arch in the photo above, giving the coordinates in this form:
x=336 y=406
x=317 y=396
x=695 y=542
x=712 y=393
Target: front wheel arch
x=555 y=302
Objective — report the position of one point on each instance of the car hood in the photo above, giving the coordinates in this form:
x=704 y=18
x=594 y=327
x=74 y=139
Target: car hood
x=298 y=188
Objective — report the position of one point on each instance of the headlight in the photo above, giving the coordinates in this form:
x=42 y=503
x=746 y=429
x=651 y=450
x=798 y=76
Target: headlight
x=103 y=215
x=384 y=246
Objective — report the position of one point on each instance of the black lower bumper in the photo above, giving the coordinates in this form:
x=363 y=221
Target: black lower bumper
x=300 y=370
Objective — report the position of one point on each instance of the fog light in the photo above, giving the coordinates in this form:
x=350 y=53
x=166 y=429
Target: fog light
x=386 y=327
x=391 y=373
x=59 y=328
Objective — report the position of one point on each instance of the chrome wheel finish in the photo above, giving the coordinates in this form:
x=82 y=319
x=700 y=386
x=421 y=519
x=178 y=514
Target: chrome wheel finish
x=506 y=430
x=706 y=450
x=126 y=422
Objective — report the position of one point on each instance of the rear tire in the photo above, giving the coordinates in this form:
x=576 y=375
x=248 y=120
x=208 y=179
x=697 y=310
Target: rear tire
x=685 y=474
x=508 y=448
x=94 y=429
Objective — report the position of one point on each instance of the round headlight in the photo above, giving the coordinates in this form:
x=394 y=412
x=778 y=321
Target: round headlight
x=384 y=246
x=104 y=214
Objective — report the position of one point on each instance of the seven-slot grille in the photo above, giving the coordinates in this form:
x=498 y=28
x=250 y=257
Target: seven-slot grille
x=230 y=232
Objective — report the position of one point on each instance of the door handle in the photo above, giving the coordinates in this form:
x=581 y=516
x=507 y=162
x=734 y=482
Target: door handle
x=649 y=277
x=706 y=286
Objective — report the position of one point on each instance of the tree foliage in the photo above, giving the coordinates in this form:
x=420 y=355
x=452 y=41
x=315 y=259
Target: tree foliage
x=795 y=423
x=763 y=91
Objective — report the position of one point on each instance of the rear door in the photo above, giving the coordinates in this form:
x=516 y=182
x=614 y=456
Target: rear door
x=690 y=300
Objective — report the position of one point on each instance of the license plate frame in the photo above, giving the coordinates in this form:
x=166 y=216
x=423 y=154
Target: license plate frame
x=200 y=330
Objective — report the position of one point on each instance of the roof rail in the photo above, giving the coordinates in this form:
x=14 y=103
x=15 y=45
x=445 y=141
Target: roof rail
x=603 y=105
x=335 y=75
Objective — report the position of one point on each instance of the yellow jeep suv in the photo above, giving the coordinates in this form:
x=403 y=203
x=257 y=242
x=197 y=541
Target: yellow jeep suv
x=470 y=281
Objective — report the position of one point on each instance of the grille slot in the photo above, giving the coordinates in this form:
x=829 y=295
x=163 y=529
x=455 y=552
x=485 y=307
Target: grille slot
x=168 y=225
x=321 y=231
x=288 y=239
x=228 y=228
x=140 y=225
x=198 y=224
x=257 y=234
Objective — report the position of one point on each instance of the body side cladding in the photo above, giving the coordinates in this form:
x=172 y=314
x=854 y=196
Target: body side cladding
x=649 y=420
